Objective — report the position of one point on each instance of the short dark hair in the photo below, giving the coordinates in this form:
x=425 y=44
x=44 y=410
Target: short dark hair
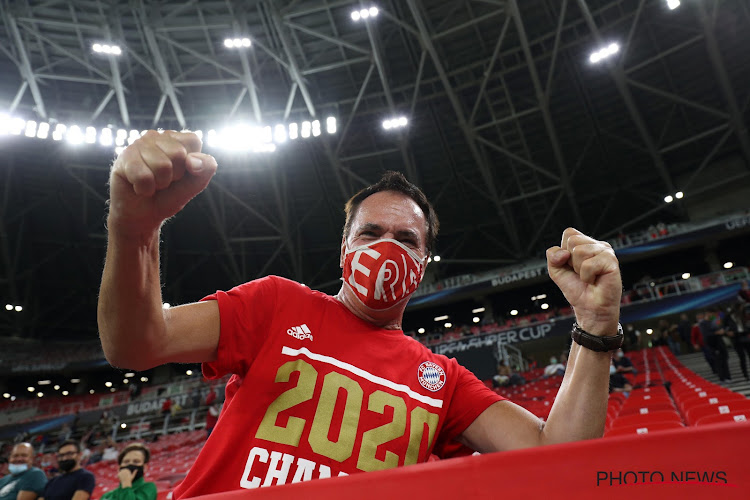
x=135 y=447
x=395 y=181
x=70 y=442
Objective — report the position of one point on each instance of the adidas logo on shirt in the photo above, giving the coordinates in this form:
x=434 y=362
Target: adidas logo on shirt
x=301 y=332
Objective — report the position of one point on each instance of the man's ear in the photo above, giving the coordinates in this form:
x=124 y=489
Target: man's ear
x=343 y=252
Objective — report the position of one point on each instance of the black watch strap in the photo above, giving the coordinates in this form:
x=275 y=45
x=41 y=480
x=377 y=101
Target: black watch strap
x=595 y=343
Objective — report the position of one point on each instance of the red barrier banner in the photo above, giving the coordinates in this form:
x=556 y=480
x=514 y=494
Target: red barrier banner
x=704 y=462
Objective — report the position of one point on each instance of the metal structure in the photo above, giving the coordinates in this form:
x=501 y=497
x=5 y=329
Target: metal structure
x=513 y=134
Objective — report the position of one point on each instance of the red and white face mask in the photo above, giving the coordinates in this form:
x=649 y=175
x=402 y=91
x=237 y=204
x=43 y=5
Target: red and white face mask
x=382 y=273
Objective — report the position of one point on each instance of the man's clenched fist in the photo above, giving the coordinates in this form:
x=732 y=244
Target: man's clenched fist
x=154 y=178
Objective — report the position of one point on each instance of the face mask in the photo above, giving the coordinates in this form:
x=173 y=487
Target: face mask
x=620 y=355
x=612 y=369
x=17 y=468
x=553 y=361
x=138 y=469
x=382 y=273
x=66 y=465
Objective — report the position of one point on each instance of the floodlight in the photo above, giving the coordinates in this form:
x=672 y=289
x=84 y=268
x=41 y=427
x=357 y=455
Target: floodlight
x=105 y=137
x=74 y=135
x=4 y=124
x=514 y=312
x=441 y=318
x=59 y=132
x=355 y=15
x=90 y=135
x=293 y=131
x=116 y=50
x=448 y=325
x=387 y=124
x=373 y=11
x=673 y=4
x=316 y=128
x=545 y=306
x=305 y=133
x=478 y=310
x=97 y=47
x=228 y=43
x=476 y=319
x=436 y=258
x=42 y=132
x=279 y=133
x=18 y=309
x=246 y=42
x=30 y=128
x=728 y=265
x=331 y=125
x=236 y=42
x=8 y=307
x=364 y=13
x=106 y=49
x=421 y=330
x=685 y=276
x=65 y=393
x=17 y=126
x=679 y=195
x=668 y=199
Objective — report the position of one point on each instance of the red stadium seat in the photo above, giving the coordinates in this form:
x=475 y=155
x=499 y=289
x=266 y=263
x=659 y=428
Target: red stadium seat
x=648 y=418
x=647 y=407
x=698 y=412
x=715 y=398
x=737 y=416
x=643 y=429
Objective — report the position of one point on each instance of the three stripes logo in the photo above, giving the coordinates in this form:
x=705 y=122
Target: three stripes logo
x=431 y=376
x=301 y=332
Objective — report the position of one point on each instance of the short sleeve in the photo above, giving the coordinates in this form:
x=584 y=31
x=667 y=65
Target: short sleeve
x=36 y=482
x=87 y=482
x=471 y=397
x=245 y=313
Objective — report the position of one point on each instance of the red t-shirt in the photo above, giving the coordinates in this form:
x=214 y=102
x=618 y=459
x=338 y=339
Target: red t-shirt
x=317 y=392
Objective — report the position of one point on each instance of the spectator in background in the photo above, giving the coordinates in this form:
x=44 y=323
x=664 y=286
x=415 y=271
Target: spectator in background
x=211 y=418
x=734 y=324
x=617 y=381
x=622 y=363
x=683 y=328
x=133 y=461
x=699 y=344
x=211 y=396
x=554 y=368
x=110 y=451
x=713 y=336
x=105 y=422
x=24 y=481
x=632 y=337
x=195 y=398
x=75 y=482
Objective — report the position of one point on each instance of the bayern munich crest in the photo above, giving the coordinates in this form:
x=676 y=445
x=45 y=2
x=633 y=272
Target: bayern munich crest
x=431 y=376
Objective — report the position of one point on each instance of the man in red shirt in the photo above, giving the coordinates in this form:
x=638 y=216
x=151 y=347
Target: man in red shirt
x=325 y=385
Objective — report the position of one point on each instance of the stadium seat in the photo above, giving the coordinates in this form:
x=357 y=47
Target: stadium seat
x=736 y=416
x=698 y=412
x=643 y=428
x=646 y=407
x=648 y=418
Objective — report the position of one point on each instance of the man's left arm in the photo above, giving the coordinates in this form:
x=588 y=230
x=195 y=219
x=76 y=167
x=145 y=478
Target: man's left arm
x=588 y=274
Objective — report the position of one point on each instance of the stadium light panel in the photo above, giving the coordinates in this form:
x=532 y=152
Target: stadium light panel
x=125 y=381
x=90 y=136
x=39 y=394
x=331 y=125
x=30 y=128
x=65 y=393
x=293 y=131
x=112 y=389
x=279 y=133
x=31 y=389
x=448 y=324
x=105 y=137
x=668 y=199
x=59 y=132
x=685 y=276
x=108 y=384
x=305 y=132
x=74 y=135
x=355 y=15
x=679 y=195
x=514 y=312
x=44 y=382
x=421 y=330
x=8 y=307
x=144 y=379
x=436 y=258
x=57 y=387
x=673 y=4
x=119 y=150
x=395 y=122
x=91 y=391
x=189 y=372
x=728 y=265
x=604 y=53
x=476 y=319
x=316 y=128
x=478 y=310
x=42 y=132
x=228 y=43
x=97 y=47
x=6 y=395
x=441 y=318
x=266 y=134
x=75 y=380
x=166 y=305
x=123 y=425
x=649 y=331
x=18 y=309
x=17 y=125
x=545 y=306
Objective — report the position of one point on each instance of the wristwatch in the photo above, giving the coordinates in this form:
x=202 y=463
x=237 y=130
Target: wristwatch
x=595 y=343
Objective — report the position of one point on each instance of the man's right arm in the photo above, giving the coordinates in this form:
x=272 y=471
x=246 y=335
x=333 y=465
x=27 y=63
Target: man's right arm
x=153 y=179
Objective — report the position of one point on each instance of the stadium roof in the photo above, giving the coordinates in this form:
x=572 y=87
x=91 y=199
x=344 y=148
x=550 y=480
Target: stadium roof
x=513 y=132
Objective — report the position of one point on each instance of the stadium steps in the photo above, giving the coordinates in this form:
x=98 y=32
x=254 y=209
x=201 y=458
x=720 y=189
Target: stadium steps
x=697 y=363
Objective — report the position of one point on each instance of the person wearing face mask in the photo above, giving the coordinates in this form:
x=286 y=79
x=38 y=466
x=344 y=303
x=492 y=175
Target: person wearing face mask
x=324 y=386
x=74 y=482
x=133 y=461
x=24 y=481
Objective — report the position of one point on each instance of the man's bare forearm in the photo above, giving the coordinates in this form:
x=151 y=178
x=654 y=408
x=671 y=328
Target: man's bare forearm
x=580 y=408
x=130 y=315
